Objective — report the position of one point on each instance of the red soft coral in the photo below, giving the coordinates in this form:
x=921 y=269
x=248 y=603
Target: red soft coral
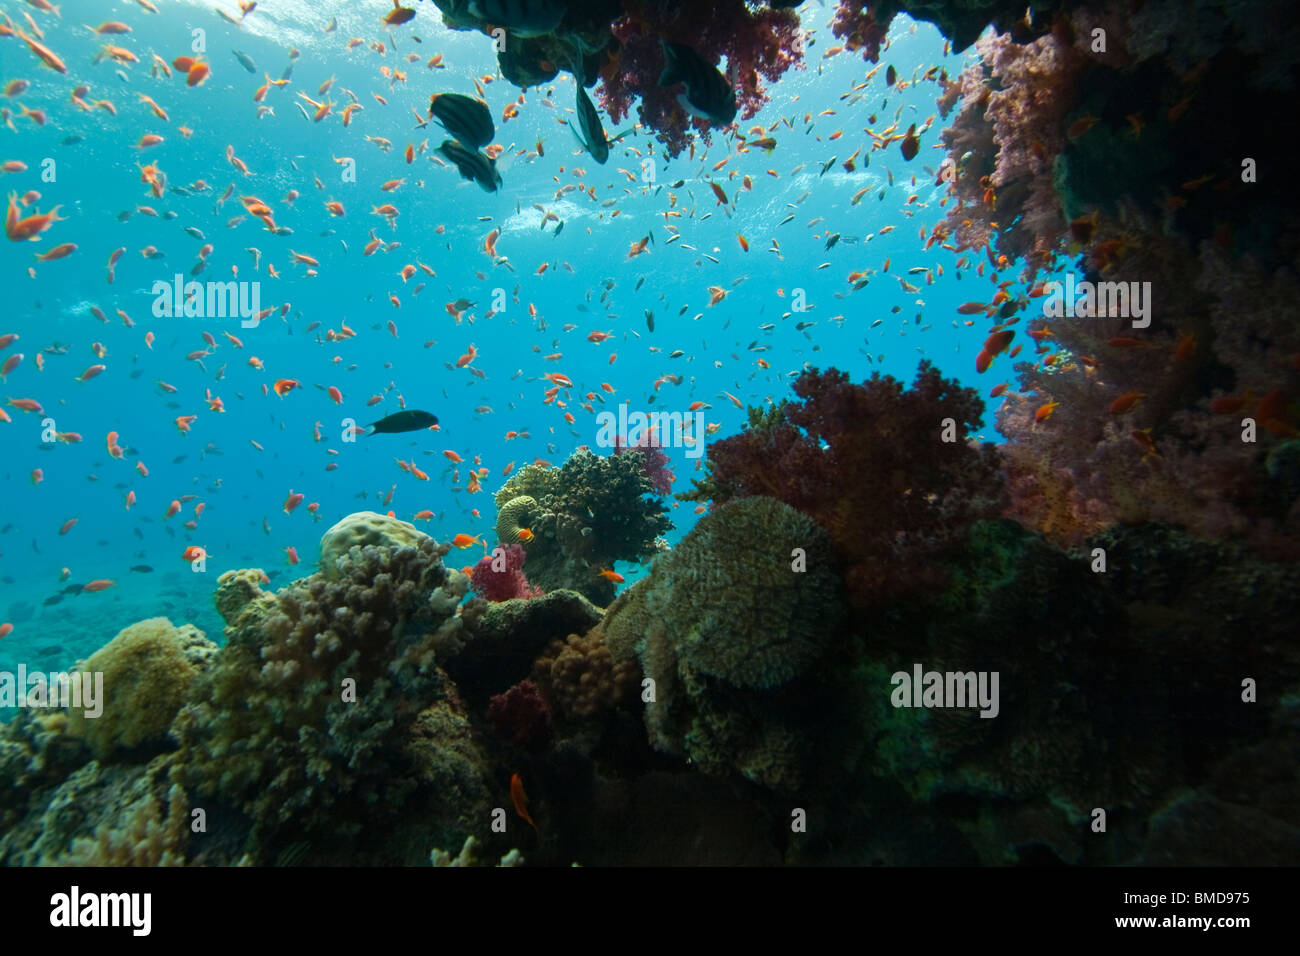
x=521 y=715
x=872 y=464
x=502 y=583
x=756 y=44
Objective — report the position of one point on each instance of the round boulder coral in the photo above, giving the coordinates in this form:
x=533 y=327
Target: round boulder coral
x=361 y=529
x=750 y=593
x=147 y=672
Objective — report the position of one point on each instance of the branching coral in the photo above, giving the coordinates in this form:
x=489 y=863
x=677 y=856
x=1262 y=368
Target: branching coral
x=582 y=677
x=306 y=705
x=887 y=471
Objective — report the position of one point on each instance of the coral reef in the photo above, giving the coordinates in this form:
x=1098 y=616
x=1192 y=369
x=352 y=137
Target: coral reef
x=500 y=576
x=734 y=611
x=307 y=704
x=584 y=516
x=148 y=668
x=872 y=465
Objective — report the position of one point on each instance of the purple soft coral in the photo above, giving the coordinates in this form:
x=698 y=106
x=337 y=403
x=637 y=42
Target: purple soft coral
x=654 y=463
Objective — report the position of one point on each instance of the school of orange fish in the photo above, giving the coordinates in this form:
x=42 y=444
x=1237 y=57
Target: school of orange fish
x=716 y=188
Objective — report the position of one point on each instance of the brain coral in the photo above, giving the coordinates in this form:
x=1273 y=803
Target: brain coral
x=729 y=594
x=147 y=672
x=361 y=529
x=517 y=513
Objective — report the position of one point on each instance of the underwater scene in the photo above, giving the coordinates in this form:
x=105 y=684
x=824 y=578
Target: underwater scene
x=649 y=433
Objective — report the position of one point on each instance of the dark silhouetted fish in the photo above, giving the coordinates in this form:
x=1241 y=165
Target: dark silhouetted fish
x=411 y=420
x=466 y=118
x=708 y=94
x=472 y=165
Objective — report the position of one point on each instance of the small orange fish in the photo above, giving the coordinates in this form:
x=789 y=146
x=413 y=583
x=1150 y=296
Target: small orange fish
x=193 y=553
x=283 y=386
x=609 y=575
x=1125 y=402
x=520 y=800
x=1044 y=412
x=463 y=540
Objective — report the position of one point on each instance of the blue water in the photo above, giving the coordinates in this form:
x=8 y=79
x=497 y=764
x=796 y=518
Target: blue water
x=243 y=488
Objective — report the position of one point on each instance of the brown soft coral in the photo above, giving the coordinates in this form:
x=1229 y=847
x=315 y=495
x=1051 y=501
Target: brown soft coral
x=581 y=678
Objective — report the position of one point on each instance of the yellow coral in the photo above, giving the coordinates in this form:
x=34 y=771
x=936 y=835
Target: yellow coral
x=516 y=514
x=146 y=678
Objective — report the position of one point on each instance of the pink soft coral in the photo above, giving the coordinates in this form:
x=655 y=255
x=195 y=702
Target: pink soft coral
x=504 y=584
x=654 y=463
x=757 y=44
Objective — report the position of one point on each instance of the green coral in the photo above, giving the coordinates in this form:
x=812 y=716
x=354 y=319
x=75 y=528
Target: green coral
x=533 y=481
x=724 y=626
x=147 y=670
x=729 y=592
x=589 y=513
x=515 y=515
